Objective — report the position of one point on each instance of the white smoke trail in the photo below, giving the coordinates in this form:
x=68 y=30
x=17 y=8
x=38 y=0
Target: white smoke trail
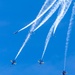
x=23 y=45
x=44 y=7
x=62 y=14
x=28 y=36
x=49 y=35
x=46 y=43
x=63 y=11
x=26 y=40
x=68 y=35
x=37 y=17
x=54 y=8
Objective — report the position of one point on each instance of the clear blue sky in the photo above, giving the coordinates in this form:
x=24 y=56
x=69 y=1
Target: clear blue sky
x=14 y=14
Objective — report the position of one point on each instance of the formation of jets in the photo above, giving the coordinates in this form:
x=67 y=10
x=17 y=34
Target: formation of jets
x=13 y=62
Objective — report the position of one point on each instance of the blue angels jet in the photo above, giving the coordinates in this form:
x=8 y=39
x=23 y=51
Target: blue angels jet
x=40 y=62
x=64 y=73
x=13 y=62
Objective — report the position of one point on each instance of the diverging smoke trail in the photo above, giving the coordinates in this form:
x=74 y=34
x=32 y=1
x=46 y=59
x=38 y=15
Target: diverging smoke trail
x=41 y=11
x=68 y=35
x=28 y=36
x=49 y=36
x=53 y=9
x=65 y=6
x=41 y=14
x=62 y=12
x=44 y=7
x=26 y=40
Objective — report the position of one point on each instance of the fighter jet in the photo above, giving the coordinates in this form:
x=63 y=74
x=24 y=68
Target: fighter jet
x=40 y=62
x=15 y=32
x=13 y=62
x=64 y=73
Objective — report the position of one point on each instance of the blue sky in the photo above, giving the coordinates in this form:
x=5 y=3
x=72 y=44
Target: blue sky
x=16 y=14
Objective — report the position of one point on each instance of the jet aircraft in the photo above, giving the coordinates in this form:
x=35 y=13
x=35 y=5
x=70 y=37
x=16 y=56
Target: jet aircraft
x=40 y=62
x=13 y=62
x=64 y=72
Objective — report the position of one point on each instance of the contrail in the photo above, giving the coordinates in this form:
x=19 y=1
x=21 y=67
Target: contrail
x=23 y=45
x=42 y=13
x=44 y=7
x=62 y=14
x=68 y=35
x=48 y=36
x=46 y=43
x=50 y=14
x=26 y=40
x=28 y=36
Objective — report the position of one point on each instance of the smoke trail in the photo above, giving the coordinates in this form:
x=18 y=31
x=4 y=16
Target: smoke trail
x=47 y=40
x=37 y=17
x=41 y=11
x=68 y=35
x=55 y=7
x=26 y=40
x=63 y=11
x=62 y=14
x=28 y=36
x=23 y=45
x=46 y=43
x=44 y=7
